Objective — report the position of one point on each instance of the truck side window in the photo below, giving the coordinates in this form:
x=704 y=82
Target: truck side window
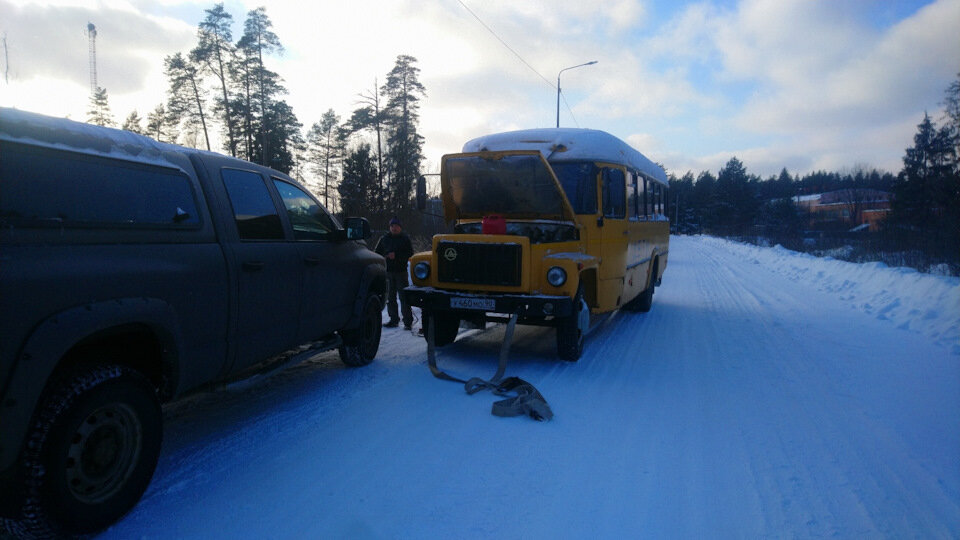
x=253 y=208
x=309 y=221
x=614 y=189
x=46 y=187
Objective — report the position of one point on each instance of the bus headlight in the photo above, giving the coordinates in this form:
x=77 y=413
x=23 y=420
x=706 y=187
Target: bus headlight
x=556 y=276
x=421 y=270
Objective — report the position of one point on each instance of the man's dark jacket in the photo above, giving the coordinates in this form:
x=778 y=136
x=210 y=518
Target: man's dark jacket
x=400 y=245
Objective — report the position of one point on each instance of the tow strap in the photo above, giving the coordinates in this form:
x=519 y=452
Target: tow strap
x=526 y=401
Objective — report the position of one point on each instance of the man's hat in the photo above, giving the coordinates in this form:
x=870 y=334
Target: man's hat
x=395 y=220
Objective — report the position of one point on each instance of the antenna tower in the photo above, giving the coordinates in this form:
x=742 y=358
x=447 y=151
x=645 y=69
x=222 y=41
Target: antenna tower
x=92 y=35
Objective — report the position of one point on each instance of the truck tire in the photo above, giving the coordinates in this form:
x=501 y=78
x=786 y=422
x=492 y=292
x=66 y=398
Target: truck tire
x=361 y=344
x=572 y=329
x=91 y=451
x=446 y=326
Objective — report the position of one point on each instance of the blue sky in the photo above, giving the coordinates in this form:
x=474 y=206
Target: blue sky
x=801 y=84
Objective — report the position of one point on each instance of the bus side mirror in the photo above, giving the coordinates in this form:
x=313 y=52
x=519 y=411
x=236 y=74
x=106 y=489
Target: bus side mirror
x=422 y=193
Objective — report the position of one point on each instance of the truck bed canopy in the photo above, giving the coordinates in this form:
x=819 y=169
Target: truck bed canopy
x=570 y=144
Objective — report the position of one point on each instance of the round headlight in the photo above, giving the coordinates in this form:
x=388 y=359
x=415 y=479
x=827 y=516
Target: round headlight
x=421 y=270
x=556 y=276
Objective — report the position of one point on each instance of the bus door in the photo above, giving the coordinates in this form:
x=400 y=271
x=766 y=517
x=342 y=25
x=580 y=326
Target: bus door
x=638 y=249
x=614 y=236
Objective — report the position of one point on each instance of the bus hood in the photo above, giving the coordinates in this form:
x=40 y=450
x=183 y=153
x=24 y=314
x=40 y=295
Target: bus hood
x=514 y=184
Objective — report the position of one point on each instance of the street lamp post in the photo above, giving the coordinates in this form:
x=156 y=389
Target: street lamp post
x=558 y=86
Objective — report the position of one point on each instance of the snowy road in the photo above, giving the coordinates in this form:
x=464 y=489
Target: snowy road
x=766 y=394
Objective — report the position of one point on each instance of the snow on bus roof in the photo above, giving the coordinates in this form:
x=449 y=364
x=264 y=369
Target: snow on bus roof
x=569 y=144
x=64 y=134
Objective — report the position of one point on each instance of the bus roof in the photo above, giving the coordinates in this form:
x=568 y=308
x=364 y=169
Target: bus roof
x=569 y=144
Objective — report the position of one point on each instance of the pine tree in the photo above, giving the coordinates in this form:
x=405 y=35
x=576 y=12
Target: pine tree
x=403 y=91
x=158 y=125
x=214 y=51
x=99 y=113
x=260 y=85
x=186 y=96
x=737 y=203
x=132 y=123
x=325 y=144
x=927 y=193
x=282 y=133
x=372 y=116
x=358 y=187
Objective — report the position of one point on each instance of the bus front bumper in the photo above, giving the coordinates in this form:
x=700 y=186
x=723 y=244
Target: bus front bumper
x=528 y=306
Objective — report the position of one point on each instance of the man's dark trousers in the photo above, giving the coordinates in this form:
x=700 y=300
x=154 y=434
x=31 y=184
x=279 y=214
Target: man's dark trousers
x=396 y=281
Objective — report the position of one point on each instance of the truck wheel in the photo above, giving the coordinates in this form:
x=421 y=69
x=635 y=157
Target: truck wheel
x=360 y=345
x=91 y=452
x=572 y=329
x=446 y=326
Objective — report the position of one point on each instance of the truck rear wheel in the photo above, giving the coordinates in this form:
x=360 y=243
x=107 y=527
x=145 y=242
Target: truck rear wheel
x=92 y=450
x=360 y=346
x=446 y=326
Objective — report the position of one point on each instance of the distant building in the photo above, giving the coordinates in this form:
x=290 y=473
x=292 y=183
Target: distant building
x=845 y=209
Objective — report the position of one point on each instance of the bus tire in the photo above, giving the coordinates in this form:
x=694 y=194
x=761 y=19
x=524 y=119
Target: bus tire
x=644 y=301
x=446 y=326
x=571 y=330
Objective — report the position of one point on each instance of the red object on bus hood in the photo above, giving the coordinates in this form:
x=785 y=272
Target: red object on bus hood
x=493 y=224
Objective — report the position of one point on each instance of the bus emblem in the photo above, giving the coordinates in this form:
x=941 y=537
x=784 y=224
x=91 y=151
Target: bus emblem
x=450 y=254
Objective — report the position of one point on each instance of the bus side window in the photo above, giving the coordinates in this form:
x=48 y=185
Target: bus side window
x=647 y=199
x=614 y=190
x=632 y=201
x=656 y=199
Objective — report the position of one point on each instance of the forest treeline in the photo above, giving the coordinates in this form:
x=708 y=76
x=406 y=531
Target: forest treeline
x=366 y=163
x=922 y=229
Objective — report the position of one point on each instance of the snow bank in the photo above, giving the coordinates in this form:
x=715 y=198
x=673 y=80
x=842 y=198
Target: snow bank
x=910 y=300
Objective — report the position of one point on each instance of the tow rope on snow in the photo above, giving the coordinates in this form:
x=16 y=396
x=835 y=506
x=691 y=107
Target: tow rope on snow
x=526 y=401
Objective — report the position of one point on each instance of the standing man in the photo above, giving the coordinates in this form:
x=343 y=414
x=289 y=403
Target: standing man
x=396 y=248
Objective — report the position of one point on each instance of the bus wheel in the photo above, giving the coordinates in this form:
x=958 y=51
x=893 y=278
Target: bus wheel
x=644 y=301
x=572 y=329
x=446 y=326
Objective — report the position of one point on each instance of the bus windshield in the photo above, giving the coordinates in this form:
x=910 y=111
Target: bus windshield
x=513 y=185
x=579 y=181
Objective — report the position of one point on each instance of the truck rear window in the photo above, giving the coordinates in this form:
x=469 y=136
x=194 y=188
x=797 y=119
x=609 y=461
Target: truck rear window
x=40 y=186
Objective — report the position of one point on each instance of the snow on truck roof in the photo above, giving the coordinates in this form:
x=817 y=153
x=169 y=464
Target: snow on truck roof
x=569 y=144
x=64 y=134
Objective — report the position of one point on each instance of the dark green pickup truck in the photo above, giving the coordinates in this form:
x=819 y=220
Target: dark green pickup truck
x=131 y=272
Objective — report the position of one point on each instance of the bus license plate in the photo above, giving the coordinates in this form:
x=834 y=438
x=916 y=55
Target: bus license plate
x=485 y=304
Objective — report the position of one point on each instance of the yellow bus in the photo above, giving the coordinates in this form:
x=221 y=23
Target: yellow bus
x=551 y=226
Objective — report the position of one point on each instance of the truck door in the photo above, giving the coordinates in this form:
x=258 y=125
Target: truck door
x=268 y=270
x=331 y=275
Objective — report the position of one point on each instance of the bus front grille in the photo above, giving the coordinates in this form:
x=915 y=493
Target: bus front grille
x=479 y=263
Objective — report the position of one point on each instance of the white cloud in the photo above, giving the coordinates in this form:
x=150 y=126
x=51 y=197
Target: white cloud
x=777 y=83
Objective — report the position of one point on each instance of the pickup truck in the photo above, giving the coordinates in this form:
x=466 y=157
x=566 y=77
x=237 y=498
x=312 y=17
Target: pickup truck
x=132 y=272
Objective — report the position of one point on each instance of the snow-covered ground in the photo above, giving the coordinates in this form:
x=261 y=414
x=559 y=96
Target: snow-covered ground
x=767 y=393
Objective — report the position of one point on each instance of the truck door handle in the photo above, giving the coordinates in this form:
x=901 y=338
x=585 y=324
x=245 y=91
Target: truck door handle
x=252 y=266
x=312 y=261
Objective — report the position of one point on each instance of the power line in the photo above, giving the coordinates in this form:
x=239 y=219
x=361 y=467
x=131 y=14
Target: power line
x=567 y=105
x=504 y=43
